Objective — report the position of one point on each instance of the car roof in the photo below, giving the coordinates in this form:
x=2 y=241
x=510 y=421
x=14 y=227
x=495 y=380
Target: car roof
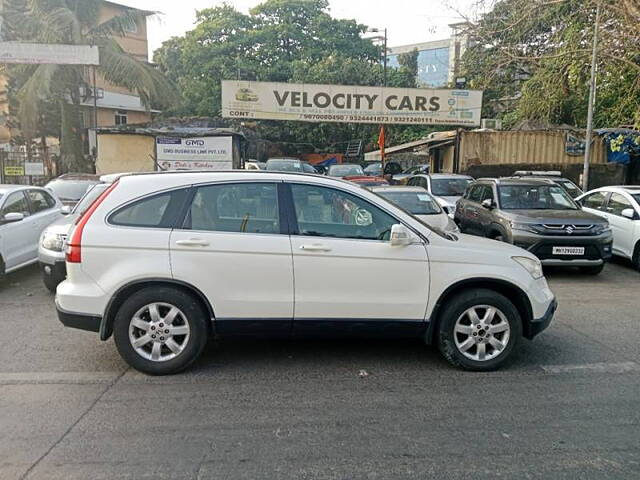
x=78 y=176
x=345 y=165
x=617 y=188
x=8 y=188
x=397 y=188
x=518 y=180
x=443 y=175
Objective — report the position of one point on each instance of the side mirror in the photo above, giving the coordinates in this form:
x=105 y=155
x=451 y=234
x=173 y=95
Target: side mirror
x=65 y=210
x=487 y=203
x=628 y=213
x=400 y=235
x=13 y=217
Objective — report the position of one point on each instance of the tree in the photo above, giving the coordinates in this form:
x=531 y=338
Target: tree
x=279 y=41
x=533 y=60
x=65 y=86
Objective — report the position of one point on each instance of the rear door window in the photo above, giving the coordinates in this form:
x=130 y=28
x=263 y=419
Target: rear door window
x=157 y=211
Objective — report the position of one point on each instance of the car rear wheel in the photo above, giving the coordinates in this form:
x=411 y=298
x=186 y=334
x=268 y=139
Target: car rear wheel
x=160 y=331
x=479 y=330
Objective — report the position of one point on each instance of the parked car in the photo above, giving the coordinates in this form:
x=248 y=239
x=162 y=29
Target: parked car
x=419 y=203
x=555 y=176
x=446 y=187
x=403 y=178
x=345 y=170
x=253 y=165
x=163 y=261
x=289 y=165
x=24 y=213
x=537 y=215
x=620 y=206
x=70 y=187
x=373 y=169
x=51 y=247
x=366 y=181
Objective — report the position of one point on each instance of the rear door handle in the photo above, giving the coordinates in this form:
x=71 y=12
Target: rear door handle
x=192 y=242
x=315 y=248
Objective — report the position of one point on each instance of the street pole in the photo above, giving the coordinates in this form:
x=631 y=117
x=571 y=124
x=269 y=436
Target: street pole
x=384 y=84
x=592 y=95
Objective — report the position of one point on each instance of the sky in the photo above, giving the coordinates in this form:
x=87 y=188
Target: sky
x=407 y=21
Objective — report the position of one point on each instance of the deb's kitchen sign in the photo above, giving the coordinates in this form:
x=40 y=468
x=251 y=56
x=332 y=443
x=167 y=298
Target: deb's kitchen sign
x=340 y=103
x=197 y=153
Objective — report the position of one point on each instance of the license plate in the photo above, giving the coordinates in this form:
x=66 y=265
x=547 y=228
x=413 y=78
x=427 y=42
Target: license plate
x=568 y=250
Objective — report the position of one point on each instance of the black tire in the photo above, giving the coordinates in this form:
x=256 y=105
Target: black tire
x=636 y=257
x=592 y=270
x=456 y=307
x=51 y=280
x=194 y=317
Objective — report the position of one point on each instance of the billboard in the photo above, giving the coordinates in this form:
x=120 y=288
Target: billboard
x=433 y=66
x=40 y=53
x=196 y=153
x=351 y=104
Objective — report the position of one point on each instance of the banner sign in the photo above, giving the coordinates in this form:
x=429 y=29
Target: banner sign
x=352 y=104
x=195 y=153
x=12 y=170
x=34 y=168
x=40 y=53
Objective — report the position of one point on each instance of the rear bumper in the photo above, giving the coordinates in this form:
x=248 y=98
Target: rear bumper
x=81 y=321
x=537 y=325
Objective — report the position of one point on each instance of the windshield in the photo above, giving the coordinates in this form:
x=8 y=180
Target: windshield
x=69 y=189
x=449 y=187
x=89 y=197
x=345 y=170
x=284 y=165
x=570 y=187
x=416 y=203
x=373 y=169
x=535 y=197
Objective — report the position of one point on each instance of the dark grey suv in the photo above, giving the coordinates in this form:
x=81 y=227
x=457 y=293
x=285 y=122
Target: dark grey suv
x=537 y=215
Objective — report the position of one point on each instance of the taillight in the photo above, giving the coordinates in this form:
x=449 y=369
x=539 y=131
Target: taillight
x=74 y=244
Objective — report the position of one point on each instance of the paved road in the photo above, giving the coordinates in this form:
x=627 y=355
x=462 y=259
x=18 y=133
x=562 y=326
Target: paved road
x=568 y=407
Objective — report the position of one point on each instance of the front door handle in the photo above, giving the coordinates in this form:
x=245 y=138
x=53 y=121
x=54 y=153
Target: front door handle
x=315 y=248
x=192 y=242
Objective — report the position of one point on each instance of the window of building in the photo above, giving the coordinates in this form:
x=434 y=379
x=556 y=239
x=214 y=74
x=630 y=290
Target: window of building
x=121 y=117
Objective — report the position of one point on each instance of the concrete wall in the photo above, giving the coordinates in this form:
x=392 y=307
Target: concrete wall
x=125 y=153
x=107 y=117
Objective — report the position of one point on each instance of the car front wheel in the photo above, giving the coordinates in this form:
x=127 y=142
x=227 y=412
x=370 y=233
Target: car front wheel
x=160 y=331
x=479 y=330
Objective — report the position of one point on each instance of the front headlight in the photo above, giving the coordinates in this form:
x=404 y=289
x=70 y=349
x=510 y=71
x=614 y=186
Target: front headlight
x=602 y=228
x=53 y=241
x=531 y=265
x=526 y=227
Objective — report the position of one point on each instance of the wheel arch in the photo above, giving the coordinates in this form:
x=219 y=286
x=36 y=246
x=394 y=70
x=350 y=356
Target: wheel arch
x=106 y=325
x=496 y=229
x=512 y=292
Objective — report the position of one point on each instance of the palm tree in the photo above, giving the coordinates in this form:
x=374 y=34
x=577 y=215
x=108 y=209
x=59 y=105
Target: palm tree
x=76 y=22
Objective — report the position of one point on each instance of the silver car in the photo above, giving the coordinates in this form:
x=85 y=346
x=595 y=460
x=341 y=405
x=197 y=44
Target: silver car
x=420 y=203
x=25 y=212
x=448 y=188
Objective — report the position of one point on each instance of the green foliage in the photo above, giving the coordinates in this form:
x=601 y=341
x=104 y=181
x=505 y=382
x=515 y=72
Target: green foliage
x=533 y=60
x=281 y=41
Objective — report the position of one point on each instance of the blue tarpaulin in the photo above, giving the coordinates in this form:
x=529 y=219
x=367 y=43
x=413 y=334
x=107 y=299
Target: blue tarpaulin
x=622 y=144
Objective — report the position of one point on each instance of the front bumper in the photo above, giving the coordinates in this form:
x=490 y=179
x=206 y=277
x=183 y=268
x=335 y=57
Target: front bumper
x=537 y=325
x=597 y=248
x=49 y=257
x=82 y=321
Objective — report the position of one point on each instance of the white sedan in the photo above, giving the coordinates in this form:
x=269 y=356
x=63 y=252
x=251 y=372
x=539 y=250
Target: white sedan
x=621 y=206
x=24 y=213
x=419 y=203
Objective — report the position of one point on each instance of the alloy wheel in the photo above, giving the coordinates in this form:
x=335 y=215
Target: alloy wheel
x=159 y=332
x=481 y=332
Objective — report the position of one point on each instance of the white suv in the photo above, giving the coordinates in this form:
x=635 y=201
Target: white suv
x=163 y=261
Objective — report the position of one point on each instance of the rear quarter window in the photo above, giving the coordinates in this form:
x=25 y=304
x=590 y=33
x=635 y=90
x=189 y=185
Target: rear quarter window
x=157 y=211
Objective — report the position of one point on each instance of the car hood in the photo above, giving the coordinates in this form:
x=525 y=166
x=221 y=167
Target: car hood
x=440 y=221
x=448 y=200
x=62 y=225
x=574 y=217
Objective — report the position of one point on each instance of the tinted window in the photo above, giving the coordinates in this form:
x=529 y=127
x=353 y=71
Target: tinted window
x=595 y=200
x=69 y=190
x=89 y=197
x=449 y=187
x=475 y=194
x=416 y=203
x=306 y=168
x=325 y=212
x=637 y=197
x=535 y=197
x=40 y=200
x=16 y=203
x=157 y=211
x=235 y=207
x=618 y=203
